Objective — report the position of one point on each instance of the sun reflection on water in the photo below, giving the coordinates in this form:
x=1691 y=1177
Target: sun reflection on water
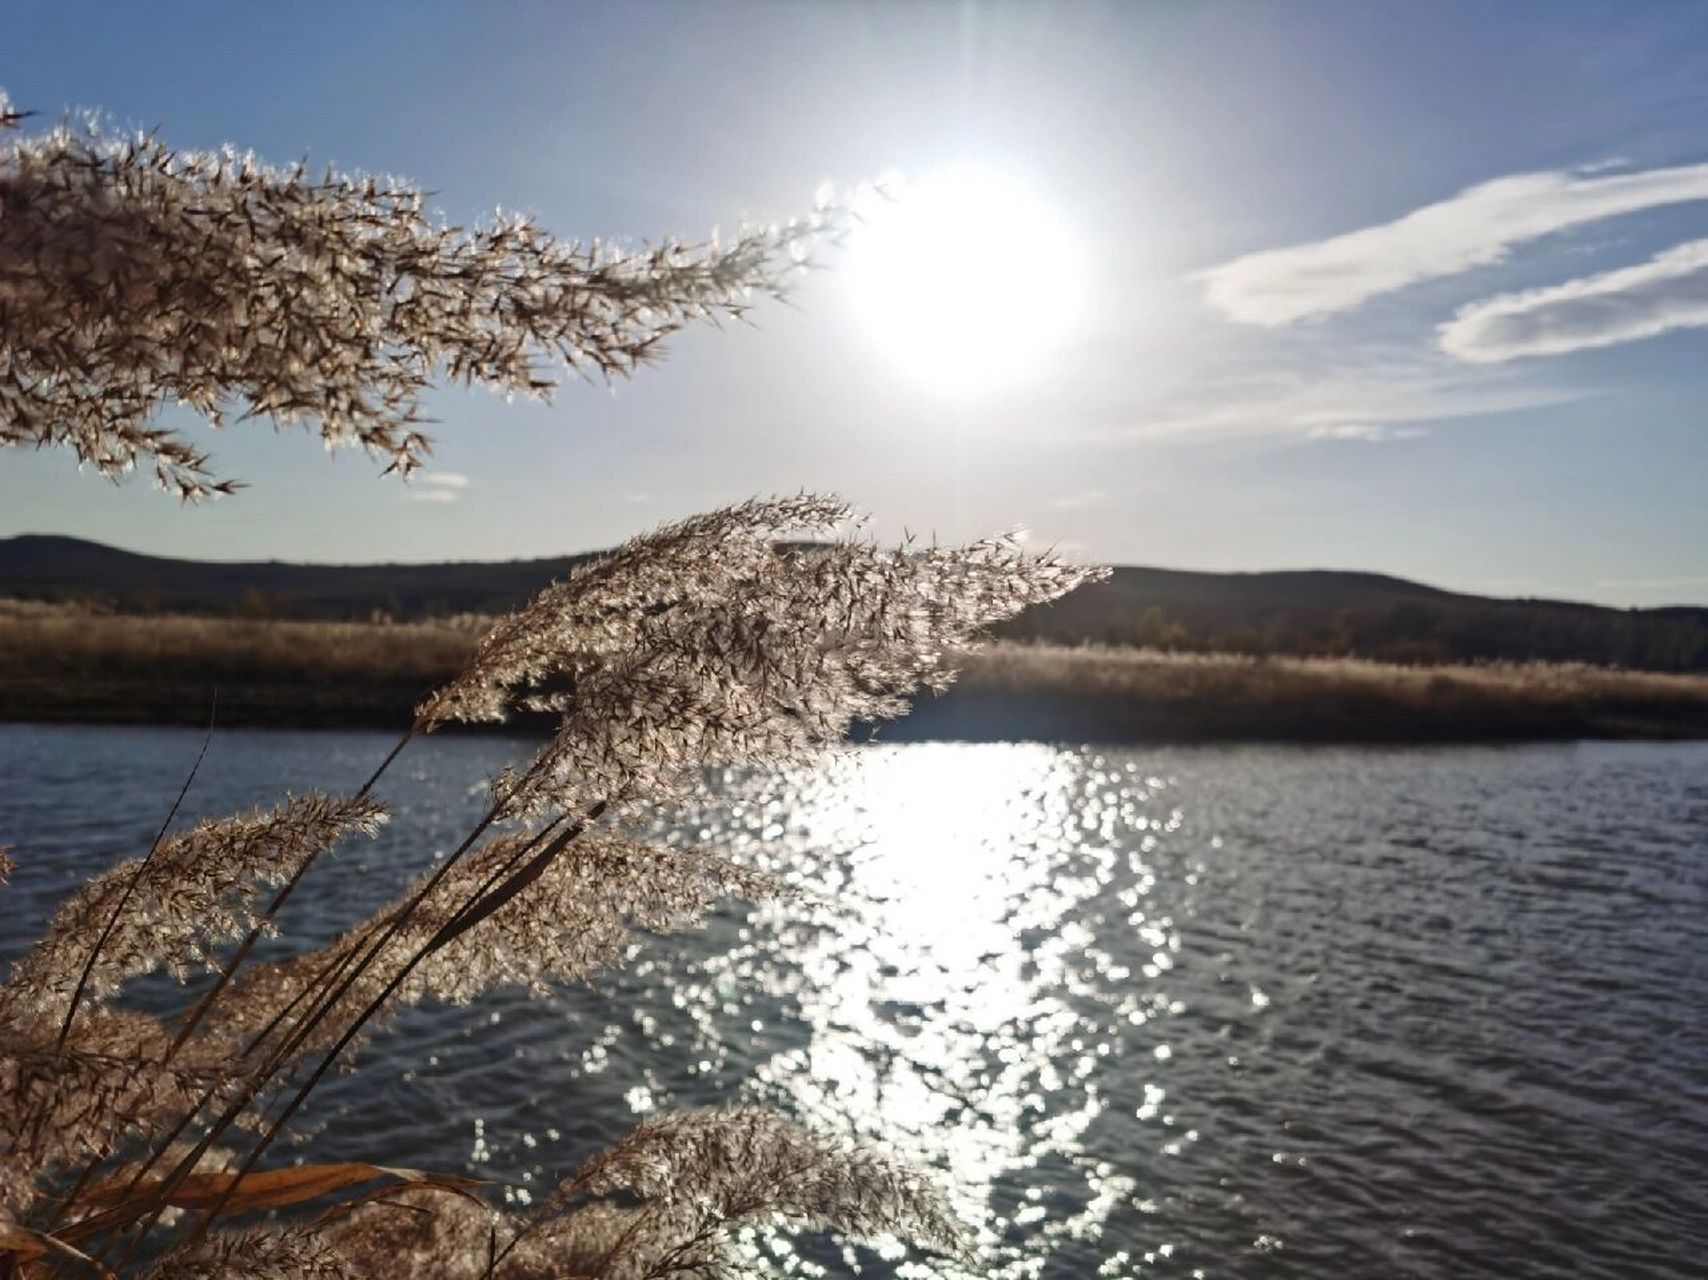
x=956 y=981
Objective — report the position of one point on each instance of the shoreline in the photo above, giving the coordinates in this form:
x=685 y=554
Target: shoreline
x=60 y=666
x=957 y=720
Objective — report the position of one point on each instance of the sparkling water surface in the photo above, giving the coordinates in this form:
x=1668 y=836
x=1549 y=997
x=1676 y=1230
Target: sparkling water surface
x=1218 y=1011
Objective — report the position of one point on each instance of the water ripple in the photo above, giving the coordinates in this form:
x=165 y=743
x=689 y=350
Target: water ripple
x=1212 y=1011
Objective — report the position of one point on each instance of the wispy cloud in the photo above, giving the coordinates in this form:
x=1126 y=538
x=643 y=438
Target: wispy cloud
x=1079 y=501
x=1367 y=432
x=1375 y=403
x=1669 y=291
x=1475 y=228
x=438 y=486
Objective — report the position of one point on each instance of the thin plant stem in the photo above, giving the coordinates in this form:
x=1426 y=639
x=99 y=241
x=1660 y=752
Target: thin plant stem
x=200 y=1010
x=273 y=908
x=187 y=1164
x=473 y=914
x=70 y=1197
x=130 y=886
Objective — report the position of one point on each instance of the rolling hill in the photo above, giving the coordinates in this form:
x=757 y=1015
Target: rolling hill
x=1303 y=613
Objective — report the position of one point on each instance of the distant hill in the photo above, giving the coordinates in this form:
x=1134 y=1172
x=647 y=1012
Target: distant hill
x=1325 y=613
x=1312 y=612
x=49 y=567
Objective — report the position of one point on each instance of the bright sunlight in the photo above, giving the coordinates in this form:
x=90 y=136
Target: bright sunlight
x=965 y=279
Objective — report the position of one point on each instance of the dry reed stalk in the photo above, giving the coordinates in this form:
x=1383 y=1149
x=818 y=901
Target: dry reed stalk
x=704 y=641
x=134 y=275
x=131 y=275
x=130 y=887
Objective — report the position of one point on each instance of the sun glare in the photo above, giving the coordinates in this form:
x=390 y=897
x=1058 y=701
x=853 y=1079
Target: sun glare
x=965 y=279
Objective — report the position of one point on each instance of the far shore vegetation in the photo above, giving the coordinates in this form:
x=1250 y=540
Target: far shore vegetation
x=70 y=663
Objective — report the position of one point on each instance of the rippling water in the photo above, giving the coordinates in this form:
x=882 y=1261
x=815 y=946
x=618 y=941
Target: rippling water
x=1212 y=1011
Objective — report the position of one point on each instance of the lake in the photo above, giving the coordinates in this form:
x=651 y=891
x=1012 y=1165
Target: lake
x=1218 y=1011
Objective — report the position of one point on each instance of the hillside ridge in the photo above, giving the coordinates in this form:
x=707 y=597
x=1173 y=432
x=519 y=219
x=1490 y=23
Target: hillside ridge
x=1297 y=612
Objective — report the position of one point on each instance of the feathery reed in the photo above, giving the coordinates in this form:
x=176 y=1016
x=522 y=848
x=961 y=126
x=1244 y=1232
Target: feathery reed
x=705 y=641
x=131 y=275
x=134 y=276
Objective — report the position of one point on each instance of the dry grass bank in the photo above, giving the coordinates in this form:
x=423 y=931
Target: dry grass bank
x=1153 y=674
x=66 y=637
x=1101 y=694
x=63 y=663
x=60 y=663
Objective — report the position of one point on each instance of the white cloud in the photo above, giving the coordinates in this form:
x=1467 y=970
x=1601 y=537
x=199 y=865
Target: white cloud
x=1078 y=501
x=437 y=486
x=1475 y=228
x=1376 y=402
x=1669 y=291
x=1369 y=432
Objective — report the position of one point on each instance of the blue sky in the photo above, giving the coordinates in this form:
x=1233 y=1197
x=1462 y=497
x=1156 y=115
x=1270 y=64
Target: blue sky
x=1410 y=288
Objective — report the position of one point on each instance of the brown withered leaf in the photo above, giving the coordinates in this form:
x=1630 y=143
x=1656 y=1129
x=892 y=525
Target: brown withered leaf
x=270 y=1189
x=21 y=1244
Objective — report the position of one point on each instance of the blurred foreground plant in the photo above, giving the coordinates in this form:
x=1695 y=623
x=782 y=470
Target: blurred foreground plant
x=755 y=633
x=134 y=276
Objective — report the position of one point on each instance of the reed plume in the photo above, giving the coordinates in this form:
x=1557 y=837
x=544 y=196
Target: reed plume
x=688 y=645
x=258 y=1253
x=579 y=916
x=707 y=641
x=134 y=276
x=130 y=275
x=666 y=1200
x=198 y=889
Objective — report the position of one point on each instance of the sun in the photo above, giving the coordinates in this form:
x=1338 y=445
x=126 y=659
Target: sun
x=965 y=279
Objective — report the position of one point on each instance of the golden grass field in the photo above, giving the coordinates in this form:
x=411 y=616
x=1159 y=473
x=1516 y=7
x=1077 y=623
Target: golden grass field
x=67 y=663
